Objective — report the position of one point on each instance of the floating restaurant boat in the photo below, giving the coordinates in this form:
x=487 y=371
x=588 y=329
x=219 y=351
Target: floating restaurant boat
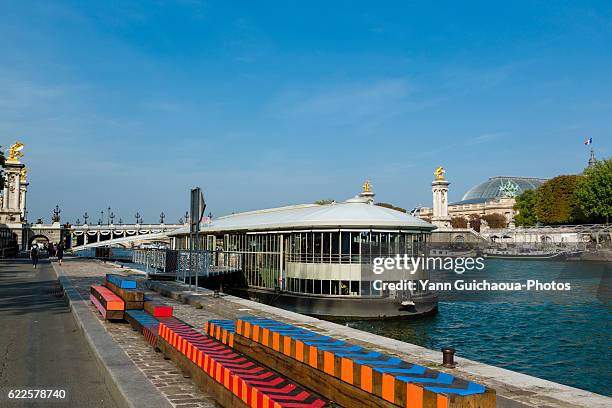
x=317 y=259
x=533 y=254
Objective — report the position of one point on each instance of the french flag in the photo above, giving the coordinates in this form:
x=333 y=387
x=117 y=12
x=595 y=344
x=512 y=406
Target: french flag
x=588 y=141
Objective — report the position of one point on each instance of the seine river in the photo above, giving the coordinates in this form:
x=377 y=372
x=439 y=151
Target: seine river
x=562 y=336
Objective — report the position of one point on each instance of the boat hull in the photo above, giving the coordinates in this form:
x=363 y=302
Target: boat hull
x=525 y=256
x=355 y=308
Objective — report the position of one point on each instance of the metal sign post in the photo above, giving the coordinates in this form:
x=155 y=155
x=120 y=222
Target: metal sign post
x=198 y=206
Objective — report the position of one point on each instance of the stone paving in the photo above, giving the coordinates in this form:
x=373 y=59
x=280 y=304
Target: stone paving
x=181 y=392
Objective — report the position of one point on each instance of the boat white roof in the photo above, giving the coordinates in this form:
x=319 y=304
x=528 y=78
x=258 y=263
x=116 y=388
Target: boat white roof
x=350 y=214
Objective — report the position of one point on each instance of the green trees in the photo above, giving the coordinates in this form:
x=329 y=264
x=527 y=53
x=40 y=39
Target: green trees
x=556 y=202
x=594 y=191
x=525 y=205
x=570 y=199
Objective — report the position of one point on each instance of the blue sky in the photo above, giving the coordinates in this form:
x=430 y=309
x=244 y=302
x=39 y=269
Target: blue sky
x=129 y=104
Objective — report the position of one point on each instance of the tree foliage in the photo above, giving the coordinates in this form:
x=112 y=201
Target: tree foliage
x=324 y=202
x=459 y=222
x=594 y=191
x=475 y=222
x=556 y=202
x=525 y=205
x=391 y=206
x=495 y=220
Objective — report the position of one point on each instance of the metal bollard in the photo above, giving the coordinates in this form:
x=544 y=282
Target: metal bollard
x=448 y=357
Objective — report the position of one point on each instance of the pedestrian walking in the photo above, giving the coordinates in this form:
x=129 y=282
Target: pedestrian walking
x=60 y=252
x=34 y=255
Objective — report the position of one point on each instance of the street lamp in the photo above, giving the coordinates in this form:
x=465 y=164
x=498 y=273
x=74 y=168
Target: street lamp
x=56 y=214
x=112 y=217
x=108 y=213
x=137 y=215
x=85 y=217
x=161 y=217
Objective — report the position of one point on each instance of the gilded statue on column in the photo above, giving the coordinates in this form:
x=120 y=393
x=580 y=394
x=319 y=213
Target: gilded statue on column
x=15 y=152
x=439 y=173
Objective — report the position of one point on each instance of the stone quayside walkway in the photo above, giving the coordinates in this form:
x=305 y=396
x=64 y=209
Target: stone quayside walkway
x=164 y=374
x=513 y=389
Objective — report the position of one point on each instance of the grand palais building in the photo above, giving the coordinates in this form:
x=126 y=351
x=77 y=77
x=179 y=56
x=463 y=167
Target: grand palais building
x=497 y=195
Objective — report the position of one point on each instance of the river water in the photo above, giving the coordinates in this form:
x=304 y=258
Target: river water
x=562 y=336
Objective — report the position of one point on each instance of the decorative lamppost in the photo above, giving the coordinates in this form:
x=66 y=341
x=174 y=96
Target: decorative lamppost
x=120 y=221
x=56 y=214
x=85 y=217
x=186 y=216
x=108 y=213
x=78 y=221
x=161 y=217
x=180 y=221
x=99 y=221
x=137 y=215
x=111 y=217
x=101 y=217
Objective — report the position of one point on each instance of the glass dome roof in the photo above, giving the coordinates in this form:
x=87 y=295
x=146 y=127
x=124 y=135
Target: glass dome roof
x=498 y=187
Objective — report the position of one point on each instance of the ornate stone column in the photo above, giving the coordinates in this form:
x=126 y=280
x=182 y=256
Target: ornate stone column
x=439 y=189
x=12 y=207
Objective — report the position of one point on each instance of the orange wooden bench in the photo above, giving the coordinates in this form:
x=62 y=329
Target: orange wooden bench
x=108 y=304
x=307 y=354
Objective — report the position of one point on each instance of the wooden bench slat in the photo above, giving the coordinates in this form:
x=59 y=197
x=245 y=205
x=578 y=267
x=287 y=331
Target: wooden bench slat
x=108 y=299
x=121 y=281
x=157 y=308
x=144 y=323
x=133 y=296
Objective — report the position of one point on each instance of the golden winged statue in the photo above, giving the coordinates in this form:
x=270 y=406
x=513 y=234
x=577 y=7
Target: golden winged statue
x=439 y=173
x=15 y=152
x=23 y=174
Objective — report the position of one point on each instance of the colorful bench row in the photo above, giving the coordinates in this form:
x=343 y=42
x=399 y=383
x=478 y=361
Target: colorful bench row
x=108 y=304
x=125 y=288
x=255 y=385
x=399 y=382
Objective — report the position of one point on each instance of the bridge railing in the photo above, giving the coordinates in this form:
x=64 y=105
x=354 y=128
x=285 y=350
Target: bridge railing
x=156 y=260
x=193 y=265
